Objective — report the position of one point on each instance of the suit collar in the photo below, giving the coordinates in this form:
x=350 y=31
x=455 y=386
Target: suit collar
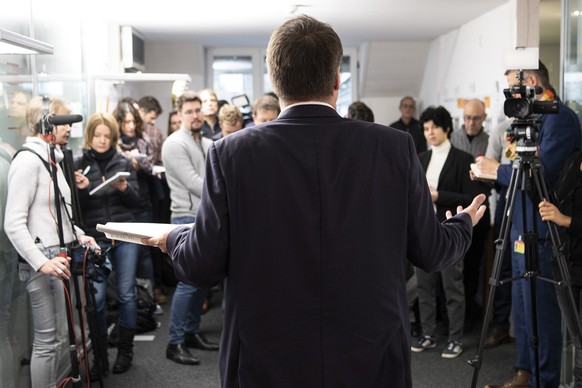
x=308 y=110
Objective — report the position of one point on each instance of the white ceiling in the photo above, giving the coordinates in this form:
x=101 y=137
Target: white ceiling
x=250 y=22
x=378 y=27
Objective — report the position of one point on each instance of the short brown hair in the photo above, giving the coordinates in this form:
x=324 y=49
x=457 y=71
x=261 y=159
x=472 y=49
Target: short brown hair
x=541 y=73
x=230 y=114
x=266 y=102
x=187 y=96
x=303 y=57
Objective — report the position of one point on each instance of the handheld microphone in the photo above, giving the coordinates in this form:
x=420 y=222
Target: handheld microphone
x=63 y=119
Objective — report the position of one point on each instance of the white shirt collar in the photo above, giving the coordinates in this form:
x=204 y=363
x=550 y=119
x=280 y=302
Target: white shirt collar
x=307 y=103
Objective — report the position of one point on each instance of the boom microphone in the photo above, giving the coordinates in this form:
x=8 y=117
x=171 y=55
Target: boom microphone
x=63 y=119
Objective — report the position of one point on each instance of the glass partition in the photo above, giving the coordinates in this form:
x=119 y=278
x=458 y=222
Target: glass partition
x=572 y=55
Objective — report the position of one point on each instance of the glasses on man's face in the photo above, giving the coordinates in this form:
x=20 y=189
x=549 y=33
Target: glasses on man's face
x=408 y=106
x=473 y=118
x=192 y=112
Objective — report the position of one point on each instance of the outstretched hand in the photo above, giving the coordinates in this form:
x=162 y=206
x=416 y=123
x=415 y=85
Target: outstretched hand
x=476 y=209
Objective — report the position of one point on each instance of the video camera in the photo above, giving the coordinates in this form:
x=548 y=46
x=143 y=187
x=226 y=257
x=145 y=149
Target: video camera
x=524 y=109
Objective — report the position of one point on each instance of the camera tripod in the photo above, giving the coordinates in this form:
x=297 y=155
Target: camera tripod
x=526 y=170
x=75 y=374
x=79 y=269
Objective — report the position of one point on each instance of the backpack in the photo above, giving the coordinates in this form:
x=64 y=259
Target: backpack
x=146 y=306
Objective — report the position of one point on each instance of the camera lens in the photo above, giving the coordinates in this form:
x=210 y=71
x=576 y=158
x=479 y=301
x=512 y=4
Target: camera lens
x=517 y=107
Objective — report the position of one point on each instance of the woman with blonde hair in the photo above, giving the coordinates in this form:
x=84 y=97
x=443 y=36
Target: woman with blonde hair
x=101 y=160
x=31 y=225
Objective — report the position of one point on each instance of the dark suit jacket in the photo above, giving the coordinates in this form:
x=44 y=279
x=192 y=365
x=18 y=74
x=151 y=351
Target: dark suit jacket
x=312 y=217
x=455 y=185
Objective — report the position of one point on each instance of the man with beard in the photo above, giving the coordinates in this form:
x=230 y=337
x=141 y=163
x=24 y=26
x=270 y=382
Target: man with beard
x=183 y=154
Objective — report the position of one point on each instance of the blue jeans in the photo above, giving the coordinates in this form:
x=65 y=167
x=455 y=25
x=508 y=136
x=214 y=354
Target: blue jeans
x=548 y=318
x=145 y=265
x=186 y=304
x=123 y=257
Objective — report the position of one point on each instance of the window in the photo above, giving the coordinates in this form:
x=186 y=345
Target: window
x=233 y=72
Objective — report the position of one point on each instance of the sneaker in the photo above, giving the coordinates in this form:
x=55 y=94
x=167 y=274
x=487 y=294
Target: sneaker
x=423 y=343
x=159 y=310
x=452 y=350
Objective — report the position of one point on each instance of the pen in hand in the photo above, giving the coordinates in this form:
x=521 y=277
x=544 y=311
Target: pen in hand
x=86 y=170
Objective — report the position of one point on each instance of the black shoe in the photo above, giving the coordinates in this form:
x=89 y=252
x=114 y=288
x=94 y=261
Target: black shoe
x=198 y=341
x=122 y=362
x=179 y=353
x=97 y=372
x=496 y=337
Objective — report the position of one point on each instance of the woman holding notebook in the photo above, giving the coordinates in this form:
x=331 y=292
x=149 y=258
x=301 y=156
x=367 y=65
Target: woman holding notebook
x=114 y=202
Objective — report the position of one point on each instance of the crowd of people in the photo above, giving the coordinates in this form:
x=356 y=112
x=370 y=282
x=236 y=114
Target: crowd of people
x=126 y=140
x=273 y=247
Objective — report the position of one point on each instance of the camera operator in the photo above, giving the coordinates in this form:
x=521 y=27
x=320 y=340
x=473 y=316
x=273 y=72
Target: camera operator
x=113 y=203
x=32 y=228
x=559 y=136
x=566 y=212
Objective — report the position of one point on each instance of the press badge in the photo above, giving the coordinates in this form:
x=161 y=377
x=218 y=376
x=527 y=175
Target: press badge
x=519 y=246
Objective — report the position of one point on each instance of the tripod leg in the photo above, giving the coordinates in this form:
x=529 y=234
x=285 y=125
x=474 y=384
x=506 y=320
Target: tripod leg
x=97 y=332
x=500 y=247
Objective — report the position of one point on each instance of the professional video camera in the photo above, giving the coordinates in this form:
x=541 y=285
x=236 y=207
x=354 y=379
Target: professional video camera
x=524 y=109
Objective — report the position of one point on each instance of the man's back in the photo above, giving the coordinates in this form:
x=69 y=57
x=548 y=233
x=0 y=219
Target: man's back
x=312 y=215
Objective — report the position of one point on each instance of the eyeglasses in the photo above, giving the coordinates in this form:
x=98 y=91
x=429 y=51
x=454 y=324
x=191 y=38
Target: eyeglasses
x=193 y=111
x=412 y=106
x=473 y=118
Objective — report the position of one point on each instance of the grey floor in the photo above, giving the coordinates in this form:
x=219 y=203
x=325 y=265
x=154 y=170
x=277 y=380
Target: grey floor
x=152 y=369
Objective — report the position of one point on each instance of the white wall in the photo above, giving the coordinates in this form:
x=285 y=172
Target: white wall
x=464 y=63
x=469 y=63
x=171 y=58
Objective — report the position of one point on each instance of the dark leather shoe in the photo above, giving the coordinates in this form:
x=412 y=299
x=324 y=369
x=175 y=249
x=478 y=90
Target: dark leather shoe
x=179 y=353
x=198 y=341
x=519 y=380
x=496 y=337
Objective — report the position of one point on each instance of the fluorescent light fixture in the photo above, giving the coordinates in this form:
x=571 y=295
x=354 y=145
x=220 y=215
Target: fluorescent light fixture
x=13 y=43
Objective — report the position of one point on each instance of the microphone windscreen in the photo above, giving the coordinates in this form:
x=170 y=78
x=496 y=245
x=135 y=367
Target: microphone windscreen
x=64 y=119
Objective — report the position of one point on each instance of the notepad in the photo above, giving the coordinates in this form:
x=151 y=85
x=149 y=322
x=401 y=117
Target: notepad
x=481 y=175
x=118 y=175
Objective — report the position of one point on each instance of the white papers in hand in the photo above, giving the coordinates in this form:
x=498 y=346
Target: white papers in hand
x=118 y=175
x=134 y=232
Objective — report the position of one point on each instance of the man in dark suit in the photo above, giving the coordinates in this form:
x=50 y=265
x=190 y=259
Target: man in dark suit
x=312 y=216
